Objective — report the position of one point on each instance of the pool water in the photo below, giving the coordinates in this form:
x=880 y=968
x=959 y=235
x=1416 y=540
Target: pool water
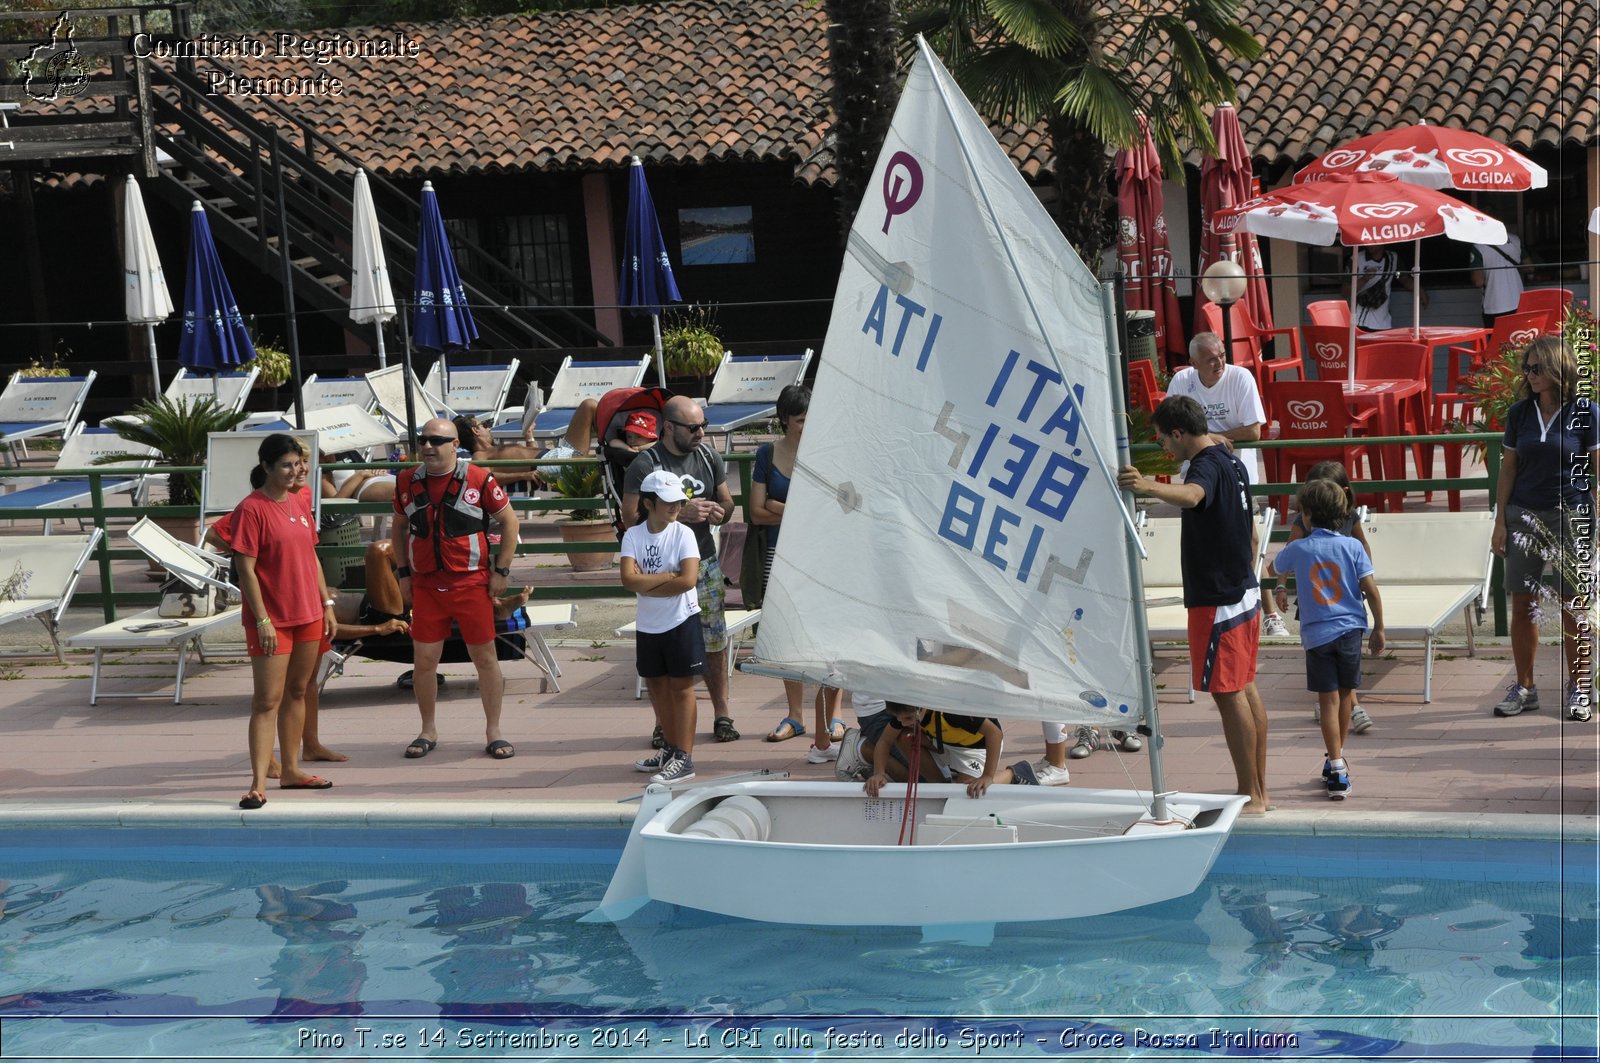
x=465 y=943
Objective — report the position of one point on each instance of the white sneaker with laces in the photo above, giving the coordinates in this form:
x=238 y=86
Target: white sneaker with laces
x=1273 y=627
x=852 y=763
x=822 y=756
x=1050 y=775
x=1360 y=722
x=1128 y=741
x=1088 y=740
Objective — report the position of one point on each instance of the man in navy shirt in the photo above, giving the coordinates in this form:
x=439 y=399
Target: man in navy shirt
x=1219 y=584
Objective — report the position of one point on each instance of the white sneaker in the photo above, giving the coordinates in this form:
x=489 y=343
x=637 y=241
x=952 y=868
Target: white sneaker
x=1360 y=722
x=1050 y=775
x=1088 y=740
x=822 y=756
x=1273 y=627
x=1130 y=742
x=679 y=769
x=852 y=765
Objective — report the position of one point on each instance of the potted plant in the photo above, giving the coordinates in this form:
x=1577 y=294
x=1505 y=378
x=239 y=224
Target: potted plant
x=690 y=344
x=583 y=523
x=271 y=364
x=177 y=430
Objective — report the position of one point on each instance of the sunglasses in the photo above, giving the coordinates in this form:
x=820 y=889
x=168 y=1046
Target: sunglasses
x=1533 y=368
x=697 y=427
x=435 y=441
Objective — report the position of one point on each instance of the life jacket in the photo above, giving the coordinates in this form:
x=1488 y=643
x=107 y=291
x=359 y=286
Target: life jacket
x=457 y=530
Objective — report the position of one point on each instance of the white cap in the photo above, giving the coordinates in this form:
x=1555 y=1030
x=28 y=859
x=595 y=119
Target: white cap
x=664 y=485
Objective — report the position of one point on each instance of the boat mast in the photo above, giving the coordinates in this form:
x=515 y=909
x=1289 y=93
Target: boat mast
x=1141 y=626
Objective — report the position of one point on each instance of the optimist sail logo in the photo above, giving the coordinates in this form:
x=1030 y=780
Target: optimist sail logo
x=902 y=186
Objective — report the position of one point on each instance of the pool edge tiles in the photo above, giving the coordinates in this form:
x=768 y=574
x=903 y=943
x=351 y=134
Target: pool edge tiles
x=400 y=813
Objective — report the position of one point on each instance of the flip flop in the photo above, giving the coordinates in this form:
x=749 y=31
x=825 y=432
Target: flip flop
x=787 y=728
x=315 y=782
x=500 y=749
x=253 y=800
x=419 y=748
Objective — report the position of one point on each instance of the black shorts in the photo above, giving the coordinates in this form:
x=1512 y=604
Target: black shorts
x=678 y=653
x=1335 y=665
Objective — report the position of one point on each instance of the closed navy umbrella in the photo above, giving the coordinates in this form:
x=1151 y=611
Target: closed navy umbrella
x=440 y=320
x=214 y=336
x=646 y=283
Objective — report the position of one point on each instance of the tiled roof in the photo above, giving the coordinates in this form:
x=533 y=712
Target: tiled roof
x=682 y=82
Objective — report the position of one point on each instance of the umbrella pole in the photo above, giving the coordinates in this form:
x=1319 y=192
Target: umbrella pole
x=1416 y=289
x=661 y=358
x=155 y=367
x=411 y=402
x=383 y=358
x=1351 y=367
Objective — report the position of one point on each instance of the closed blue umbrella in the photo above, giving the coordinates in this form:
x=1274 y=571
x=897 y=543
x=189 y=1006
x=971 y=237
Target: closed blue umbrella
x=646 y=283
x=214 y=336
x=440 y=320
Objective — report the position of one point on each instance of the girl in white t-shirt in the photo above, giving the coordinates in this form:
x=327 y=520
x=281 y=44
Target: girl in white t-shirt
x=661 y=563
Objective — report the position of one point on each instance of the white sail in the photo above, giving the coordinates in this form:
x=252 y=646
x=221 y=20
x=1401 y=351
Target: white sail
x=953 y=537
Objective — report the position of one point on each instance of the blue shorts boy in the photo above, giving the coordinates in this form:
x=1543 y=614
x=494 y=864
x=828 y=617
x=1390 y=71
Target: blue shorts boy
x=1335 y=665
x=678 y=652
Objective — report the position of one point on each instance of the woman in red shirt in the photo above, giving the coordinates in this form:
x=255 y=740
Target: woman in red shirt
x=288 y=611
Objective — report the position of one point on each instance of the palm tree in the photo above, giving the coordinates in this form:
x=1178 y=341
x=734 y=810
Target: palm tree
x=1088 y=71
x=862 y=40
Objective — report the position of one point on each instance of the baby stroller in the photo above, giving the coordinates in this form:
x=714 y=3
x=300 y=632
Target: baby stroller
x=611 y=414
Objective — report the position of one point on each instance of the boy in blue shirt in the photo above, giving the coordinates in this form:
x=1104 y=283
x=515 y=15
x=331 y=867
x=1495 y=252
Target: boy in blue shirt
x=1333 y=575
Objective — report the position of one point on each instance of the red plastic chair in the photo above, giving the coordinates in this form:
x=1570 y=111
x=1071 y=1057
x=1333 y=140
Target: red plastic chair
x=1328 y=346
x=1247 y=340
x=1329 y=312
x=1404 y=360
x=1143 y=391
x=1313 y=409
x=1519 y=329
x=1550 y=300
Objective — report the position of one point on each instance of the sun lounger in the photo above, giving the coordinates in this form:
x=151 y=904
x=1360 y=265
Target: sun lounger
x=1431 y=567
x=518 y=637
x=83 y=449
x=149 y=630
x=340 y=429
x=225 y=480
x=737 y=621
x=747 y=386
x=320 y=393
x=388 y=388
x=38 y=575
x=480 y=390
x=227 y=390
x=34 y=406
x=576 y=381
x=1165 y=616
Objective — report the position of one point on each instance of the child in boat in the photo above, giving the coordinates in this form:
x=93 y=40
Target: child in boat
x=956 y=749
x=1334 y=574
x=661 y=564
x=1360 y=721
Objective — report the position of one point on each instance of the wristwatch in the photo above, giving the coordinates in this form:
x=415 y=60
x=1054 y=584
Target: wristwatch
x=402 y=572
x=327 y=601
x=506 y=572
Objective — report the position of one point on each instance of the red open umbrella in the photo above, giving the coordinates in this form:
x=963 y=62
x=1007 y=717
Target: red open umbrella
x=1225 y=183
x=1142 y=248
x=1432 y=156
x=1363 y=211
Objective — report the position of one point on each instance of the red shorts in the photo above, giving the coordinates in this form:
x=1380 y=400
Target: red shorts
x=1223 y=640
x=437 y=598
x=287 y=637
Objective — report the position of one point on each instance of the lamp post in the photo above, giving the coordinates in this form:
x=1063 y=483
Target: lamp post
x=1223 y=283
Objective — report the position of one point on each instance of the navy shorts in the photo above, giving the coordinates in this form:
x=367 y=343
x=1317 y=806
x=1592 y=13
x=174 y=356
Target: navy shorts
x=678 y=653
x=1335 y=665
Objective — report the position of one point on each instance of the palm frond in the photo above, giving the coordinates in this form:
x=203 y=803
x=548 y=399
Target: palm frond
x=1011 y=83
x=1038 y=25
x=1102 y=101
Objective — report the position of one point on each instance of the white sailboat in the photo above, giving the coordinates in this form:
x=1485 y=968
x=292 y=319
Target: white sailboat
x=954 y=538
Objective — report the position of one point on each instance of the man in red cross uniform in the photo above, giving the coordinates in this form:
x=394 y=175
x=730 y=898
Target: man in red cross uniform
x=452 y=570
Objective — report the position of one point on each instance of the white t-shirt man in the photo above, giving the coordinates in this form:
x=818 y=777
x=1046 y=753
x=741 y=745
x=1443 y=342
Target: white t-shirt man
x=1232 y=402
x=665 y=552
x=1375 y=269
x=1502 y=281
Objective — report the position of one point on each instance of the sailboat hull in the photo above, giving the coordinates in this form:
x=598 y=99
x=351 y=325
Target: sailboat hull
x=767 y=850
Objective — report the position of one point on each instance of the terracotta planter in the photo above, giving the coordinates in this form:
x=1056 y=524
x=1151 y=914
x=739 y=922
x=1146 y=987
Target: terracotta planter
x=587 y=531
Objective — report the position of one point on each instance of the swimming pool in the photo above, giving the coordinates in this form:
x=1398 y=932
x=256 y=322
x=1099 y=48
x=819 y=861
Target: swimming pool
x=464 y=943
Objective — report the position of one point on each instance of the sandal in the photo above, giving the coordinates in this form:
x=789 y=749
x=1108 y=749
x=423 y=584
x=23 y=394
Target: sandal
x=788 y=728
x=722 y=730
x=836 y=730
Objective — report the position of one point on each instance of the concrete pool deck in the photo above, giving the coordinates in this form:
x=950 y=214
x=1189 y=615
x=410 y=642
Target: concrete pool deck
x=1445 y=766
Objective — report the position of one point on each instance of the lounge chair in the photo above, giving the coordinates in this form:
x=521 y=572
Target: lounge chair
x=747 y=386
x=574 y=382
x=737 y=621
x=149 y=630
x=340 y=429
x=388 y=388
x=480 y=390
x=38 y=575
x=225 y=479
x=82 y=449
x=34 y=406
x=319 y=393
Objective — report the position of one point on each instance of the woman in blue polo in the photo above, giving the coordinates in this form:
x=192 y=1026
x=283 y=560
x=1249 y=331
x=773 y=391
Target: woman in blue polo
x=1545 y=513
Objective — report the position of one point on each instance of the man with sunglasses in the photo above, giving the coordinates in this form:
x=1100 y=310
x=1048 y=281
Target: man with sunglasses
x=683 y=451
x=450 y=571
